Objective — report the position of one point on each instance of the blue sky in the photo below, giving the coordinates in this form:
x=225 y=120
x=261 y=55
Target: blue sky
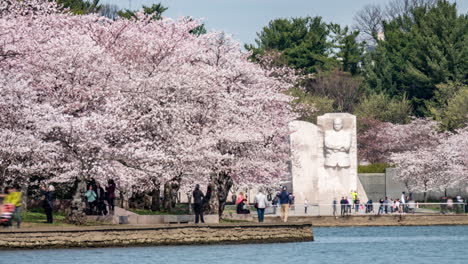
x=243 y=18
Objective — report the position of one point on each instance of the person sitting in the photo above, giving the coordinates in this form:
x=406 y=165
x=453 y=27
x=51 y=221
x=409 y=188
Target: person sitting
x=242 y=207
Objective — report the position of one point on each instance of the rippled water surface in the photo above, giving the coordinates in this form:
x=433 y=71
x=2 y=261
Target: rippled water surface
x=416 y=244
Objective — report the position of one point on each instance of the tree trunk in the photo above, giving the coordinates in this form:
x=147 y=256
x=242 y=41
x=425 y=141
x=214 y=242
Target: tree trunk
x=221 y=184
x=425 y=197
x=171 y=188
x=75 y=214
x=189 y=199
x=124 y=199
x=24 y=198
x=155 y=200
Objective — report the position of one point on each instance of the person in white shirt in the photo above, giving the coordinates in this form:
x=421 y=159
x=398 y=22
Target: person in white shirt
x=260 y=203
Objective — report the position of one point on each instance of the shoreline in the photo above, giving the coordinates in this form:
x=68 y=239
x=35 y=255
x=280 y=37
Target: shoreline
x=154 y=235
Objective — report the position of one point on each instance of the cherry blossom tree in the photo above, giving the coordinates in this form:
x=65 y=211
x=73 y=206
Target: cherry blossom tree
x=144 y=102
x=436 y=167
x=381 y=139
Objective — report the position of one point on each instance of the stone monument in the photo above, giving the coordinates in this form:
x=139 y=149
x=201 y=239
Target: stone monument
x=324 y=159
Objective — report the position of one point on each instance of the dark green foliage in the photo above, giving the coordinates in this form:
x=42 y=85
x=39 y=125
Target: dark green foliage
x=155 y=9
x=420 y=51
x=80 y=7
x=373 y=168
x=349 y=50
x=302 y=41
x=200 y=30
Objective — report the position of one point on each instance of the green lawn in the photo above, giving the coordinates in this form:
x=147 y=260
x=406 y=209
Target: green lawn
x=37 y=215
x=180 y=209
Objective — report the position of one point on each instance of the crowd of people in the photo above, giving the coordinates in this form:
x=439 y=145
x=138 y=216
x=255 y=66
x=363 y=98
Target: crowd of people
x=283 y=199
x=100 y=201
x=353 y=204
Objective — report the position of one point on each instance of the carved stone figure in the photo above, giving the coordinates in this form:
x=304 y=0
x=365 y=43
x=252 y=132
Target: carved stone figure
x=337 y=143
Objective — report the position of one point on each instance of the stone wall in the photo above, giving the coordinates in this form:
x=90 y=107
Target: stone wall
x=378 y=220
x=380 y=185
x=116 y=236
x=374 y=185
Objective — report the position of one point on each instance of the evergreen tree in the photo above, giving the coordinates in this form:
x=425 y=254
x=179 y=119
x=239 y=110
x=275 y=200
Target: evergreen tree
x=80 y=7
x=303 y=43
x=347 y=49
x=420 y=51
x=155 y=9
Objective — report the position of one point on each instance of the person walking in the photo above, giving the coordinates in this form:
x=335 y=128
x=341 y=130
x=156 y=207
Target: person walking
x=260 y=202
x=48 y=202
x=110 y=194
x=198 y=204
x=284 y=201
x=14 y=198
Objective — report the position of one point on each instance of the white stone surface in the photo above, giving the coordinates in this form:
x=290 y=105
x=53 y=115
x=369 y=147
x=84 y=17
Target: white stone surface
x=311 y=178
x=304 y=158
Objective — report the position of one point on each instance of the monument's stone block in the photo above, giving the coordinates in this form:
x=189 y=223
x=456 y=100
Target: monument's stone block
x=304 y=158
x=324 y=159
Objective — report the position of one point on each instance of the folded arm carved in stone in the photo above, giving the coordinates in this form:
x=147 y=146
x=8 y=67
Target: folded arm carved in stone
x=337 y=143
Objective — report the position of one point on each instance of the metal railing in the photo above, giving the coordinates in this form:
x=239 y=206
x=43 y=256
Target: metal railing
x=365 y=209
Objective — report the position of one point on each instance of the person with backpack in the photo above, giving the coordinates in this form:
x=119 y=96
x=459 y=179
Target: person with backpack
x=284 y=201
x=48 y=202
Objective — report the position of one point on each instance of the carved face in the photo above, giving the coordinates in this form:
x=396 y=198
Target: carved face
x=337 y=124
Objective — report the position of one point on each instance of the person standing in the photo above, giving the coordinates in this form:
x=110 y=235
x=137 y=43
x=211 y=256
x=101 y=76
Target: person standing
x=198 y=204
x=48 y=202
x=357 y=203
x=334 y=203
x=260 y=202
x=403 y=202
x=344 y=208
x=110 y=189
x=101 y=197
x=306 y=205
x=91 y=199
x=14 y=198
x=284 y=201
x=386 y=204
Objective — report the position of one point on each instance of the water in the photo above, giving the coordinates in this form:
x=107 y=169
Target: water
x=369 y=245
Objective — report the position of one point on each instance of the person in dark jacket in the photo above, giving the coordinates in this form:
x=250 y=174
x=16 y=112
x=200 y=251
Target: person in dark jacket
x=110 y=189
x=206 y=199
x=198 y=204
x=48 y=202
x=284 y=201
x=101 y=197
x=242 y=207
x=343 y=203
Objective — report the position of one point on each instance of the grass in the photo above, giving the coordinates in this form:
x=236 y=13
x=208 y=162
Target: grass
x=36 y=217
x=373 y=168
x=180 y=209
